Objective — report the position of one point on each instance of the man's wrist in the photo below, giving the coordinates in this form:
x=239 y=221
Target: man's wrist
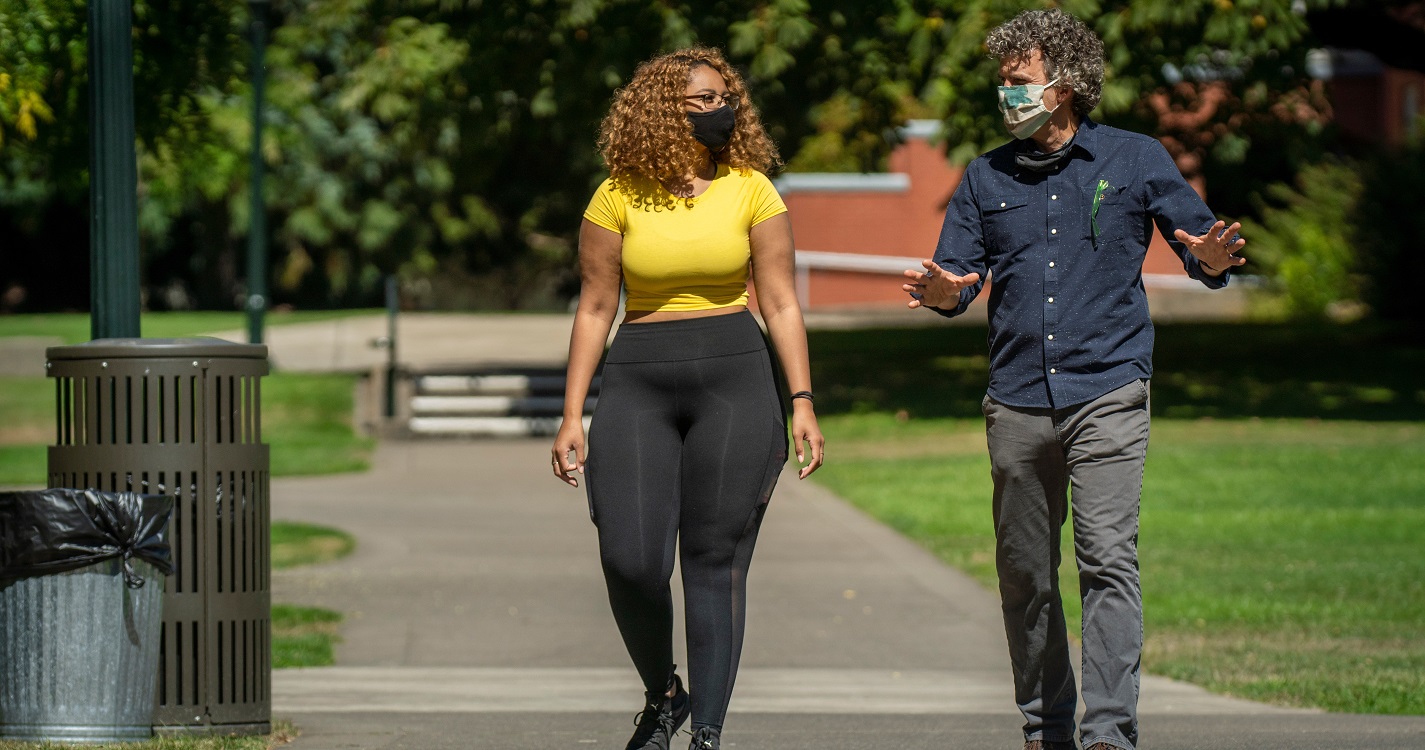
x=1209 y=269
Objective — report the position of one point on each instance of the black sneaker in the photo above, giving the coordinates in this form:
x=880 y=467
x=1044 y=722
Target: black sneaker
x=705 y=738
x=660 y=718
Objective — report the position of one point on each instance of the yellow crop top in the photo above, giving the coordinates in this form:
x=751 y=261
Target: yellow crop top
x=688 y=257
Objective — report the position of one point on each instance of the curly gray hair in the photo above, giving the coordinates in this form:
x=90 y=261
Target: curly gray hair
x=1072 y=52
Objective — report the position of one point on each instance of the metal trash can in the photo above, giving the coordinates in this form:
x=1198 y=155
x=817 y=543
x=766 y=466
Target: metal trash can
x=81 y=597
x=183 y=417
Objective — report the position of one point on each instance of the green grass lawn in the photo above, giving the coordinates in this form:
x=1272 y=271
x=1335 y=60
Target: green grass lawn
x=73 y=328
x=27 y=404
x=295 y=544
x=306 y=418
x=1280 y=556
x=1363 y=371
x=305 y=636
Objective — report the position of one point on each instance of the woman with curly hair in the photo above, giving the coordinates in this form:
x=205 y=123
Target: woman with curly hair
x=689 y=436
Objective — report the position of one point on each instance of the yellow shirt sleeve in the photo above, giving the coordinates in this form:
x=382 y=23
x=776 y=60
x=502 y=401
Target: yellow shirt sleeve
x=766 y=203
x=607 y=208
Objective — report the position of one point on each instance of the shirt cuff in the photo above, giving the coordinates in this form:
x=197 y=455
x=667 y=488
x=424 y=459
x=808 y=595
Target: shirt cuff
x=1199 y=272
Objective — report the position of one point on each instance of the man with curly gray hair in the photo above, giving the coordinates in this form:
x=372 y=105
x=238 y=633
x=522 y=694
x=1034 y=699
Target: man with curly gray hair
x=1062 y=217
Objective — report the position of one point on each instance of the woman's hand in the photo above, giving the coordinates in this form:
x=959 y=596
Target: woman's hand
x=570 y=440
x=806 y=437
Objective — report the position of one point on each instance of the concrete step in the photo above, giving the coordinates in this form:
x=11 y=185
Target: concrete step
x=488 y=426
x=498 y=403
x=495 y=384
x=492 y=406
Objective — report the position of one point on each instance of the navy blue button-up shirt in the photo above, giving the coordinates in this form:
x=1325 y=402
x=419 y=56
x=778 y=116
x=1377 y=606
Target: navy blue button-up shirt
x=1068 y=312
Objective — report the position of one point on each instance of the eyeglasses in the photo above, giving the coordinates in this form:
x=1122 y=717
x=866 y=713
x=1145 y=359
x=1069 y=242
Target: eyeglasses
x=707 y=101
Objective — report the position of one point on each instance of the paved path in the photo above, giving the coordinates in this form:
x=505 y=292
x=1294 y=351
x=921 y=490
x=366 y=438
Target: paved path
x=476 y=618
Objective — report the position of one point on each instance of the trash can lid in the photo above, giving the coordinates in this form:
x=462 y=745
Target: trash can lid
x=198 y=346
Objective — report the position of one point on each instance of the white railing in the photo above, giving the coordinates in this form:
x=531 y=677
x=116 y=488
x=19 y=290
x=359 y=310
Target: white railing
x=809 y=260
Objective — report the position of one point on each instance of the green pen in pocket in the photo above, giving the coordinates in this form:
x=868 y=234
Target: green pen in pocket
x=1097 y=198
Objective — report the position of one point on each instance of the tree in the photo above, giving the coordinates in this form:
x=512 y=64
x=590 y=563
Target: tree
x=182 y=51
x=447 y=139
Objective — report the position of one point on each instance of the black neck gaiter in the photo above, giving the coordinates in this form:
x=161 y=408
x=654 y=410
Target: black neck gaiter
x=1027 y=157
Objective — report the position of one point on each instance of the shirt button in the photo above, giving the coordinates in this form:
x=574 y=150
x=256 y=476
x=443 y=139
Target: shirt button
x=1053 y=371
x=1053 y=231
x=1051 y=337
x=1051 y=264
x=1053 y=197
x=1002 y=205
x=1051 y=300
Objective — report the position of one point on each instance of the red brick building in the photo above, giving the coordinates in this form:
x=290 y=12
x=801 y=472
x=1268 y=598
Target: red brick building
x=1372 y=101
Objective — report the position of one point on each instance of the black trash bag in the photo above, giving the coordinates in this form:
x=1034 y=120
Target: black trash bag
x=52 y=531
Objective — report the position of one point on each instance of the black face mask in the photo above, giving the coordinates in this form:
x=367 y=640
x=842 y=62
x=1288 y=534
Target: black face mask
x=713 y=129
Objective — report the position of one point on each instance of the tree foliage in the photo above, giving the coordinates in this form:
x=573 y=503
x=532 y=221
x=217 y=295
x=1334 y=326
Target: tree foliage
x=446 y=139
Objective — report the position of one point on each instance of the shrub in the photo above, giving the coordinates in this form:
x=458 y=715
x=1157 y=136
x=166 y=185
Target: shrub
x=1307 y=240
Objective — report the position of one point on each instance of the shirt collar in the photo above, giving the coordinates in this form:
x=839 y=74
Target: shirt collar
x=1087 y=138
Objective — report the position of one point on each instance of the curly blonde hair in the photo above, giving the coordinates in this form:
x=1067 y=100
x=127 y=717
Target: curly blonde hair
x=647 y=135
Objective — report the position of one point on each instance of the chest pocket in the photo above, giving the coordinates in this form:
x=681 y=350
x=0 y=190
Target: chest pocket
x=1120 y=216
x=1006 y=223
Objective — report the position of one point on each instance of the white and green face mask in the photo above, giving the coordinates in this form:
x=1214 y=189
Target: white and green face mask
x=1023 y=108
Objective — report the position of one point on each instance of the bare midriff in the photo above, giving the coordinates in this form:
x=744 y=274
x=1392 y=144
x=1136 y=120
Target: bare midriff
x=654 y=316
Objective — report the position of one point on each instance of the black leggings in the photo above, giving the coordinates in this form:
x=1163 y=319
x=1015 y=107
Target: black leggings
x=685 y=445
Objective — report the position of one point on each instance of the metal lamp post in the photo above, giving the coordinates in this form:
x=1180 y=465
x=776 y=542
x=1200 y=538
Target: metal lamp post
x=113 y=178
x=257 y=231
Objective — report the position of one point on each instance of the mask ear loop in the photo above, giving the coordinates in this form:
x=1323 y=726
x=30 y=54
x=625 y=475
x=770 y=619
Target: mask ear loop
x=1052 y=85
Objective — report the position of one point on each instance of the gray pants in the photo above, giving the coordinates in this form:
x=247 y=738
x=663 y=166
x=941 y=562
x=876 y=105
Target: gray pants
x=1037 y=456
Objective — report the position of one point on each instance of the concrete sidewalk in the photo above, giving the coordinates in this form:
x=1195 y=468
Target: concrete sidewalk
x=477 y=618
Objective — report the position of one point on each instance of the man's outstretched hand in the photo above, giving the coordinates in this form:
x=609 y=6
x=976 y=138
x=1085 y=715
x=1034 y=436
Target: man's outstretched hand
x=935 y=286
x=1217 y=249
